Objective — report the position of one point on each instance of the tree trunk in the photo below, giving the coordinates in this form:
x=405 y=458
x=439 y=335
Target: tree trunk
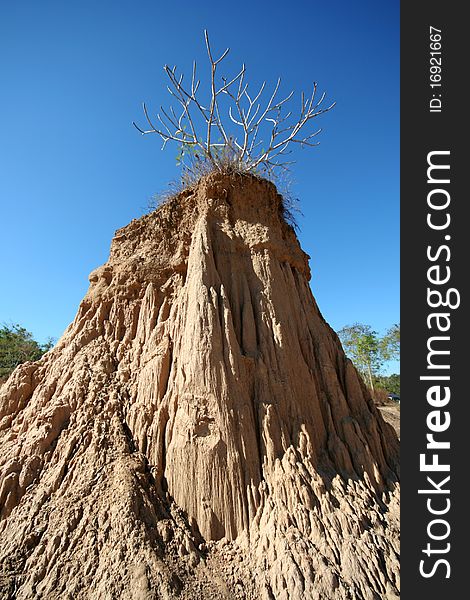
x=371 y=381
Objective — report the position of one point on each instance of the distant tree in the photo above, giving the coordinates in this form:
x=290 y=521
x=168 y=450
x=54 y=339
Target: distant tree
x=363 y=346
x=18 y=346
x=390 y=343
x=231 y=128
x=389 y=383
x=369 y=351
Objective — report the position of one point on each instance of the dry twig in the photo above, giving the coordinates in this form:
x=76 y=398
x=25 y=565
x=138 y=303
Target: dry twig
x=238 y=148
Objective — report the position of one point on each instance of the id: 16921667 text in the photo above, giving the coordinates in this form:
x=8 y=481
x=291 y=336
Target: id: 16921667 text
x=435 y=69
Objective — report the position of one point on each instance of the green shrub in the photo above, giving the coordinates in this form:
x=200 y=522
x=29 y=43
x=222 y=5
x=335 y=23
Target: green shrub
x=18 y=346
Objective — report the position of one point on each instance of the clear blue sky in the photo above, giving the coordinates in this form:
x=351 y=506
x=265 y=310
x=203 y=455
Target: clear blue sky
x=73 y=169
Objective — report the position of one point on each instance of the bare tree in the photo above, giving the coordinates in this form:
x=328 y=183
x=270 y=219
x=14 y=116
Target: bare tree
x=233 y=122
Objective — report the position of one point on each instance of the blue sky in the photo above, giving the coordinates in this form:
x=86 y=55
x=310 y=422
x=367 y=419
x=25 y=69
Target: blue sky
x=73 y=169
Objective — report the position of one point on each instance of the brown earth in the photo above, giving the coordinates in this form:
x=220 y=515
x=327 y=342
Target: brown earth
x=197 y=432
x=391 y=414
